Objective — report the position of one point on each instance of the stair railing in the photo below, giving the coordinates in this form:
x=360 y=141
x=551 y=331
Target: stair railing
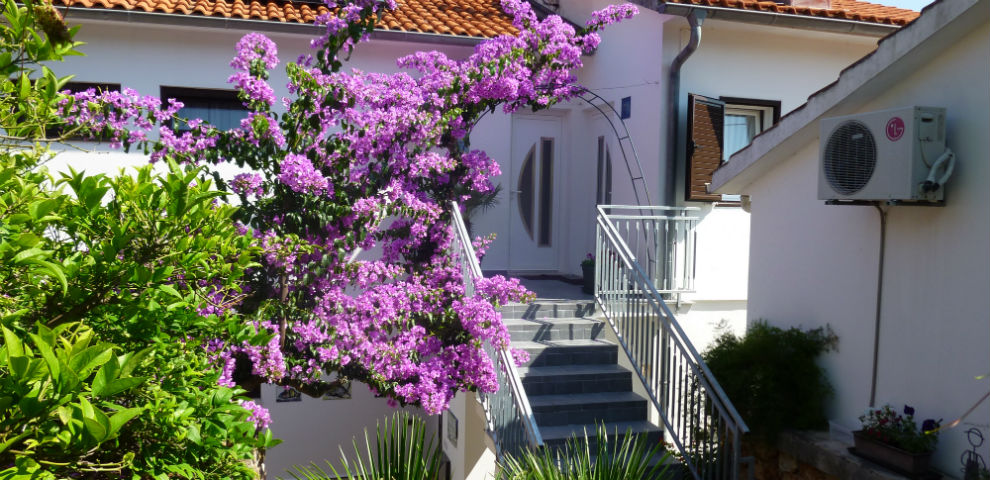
x=509 y=419
x=697 y=416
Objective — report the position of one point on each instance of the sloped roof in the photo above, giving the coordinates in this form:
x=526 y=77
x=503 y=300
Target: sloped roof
x=839 y=9
x=468 y=18
x=903 y=51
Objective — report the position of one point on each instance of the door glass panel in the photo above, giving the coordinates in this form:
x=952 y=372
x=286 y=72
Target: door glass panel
x=525 y=191
x=546 y=190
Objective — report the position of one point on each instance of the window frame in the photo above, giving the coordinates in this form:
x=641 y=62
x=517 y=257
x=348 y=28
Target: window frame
x=701 y=134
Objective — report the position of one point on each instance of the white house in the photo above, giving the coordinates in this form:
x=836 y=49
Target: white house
x=925 y=318
x=743 y=65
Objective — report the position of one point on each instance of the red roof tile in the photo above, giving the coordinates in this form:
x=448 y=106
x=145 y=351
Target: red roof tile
x=839 y=9
x=472 y=18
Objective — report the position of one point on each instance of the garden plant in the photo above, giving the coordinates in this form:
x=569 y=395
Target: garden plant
x=135 y=307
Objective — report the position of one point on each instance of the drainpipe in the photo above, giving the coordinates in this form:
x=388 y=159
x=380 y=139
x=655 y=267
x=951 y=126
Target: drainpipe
x=695 y=18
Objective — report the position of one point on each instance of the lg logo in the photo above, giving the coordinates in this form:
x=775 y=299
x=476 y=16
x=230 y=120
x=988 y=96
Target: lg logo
x=895 y=129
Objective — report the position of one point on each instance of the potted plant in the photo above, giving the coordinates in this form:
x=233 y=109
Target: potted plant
x=893 y=440
x=588 y=269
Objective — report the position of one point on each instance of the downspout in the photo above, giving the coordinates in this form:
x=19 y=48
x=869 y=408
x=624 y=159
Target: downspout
x=695 y=18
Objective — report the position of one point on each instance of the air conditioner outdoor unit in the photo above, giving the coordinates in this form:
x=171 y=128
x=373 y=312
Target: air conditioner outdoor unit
x=889 y=155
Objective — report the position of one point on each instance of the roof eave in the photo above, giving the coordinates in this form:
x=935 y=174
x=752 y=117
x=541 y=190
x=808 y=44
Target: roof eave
x=247 y=24
x=785 y=20
x=895 y=57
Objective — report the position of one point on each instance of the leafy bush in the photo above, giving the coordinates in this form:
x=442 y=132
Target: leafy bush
x=401 y=453
x=771 y=377
x=611 y=460
x=111 y=288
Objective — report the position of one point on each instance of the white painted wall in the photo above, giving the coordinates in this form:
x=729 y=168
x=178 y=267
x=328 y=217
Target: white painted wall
x=812 y=264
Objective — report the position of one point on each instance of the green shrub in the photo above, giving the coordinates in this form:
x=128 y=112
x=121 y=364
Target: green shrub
x=633 y=458
x=772 y=378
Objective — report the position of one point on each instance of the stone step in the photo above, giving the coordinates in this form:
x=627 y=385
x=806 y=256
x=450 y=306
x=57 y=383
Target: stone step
x=568 y=352
x=568 y=379
x=556 y=436
x=547 y=308
x=554 y=329
x=587 y=408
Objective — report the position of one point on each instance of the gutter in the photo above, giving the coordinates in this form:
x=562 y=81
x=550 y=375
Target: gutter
x=785 y=20
x=245 y=24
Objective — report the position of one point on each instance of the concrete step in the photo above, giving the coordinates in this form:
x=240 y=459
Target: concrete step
x=547 y=308
x=569 y=379
x=587 y=408
x=556 y=436
x=553 y=329
x=568 y=352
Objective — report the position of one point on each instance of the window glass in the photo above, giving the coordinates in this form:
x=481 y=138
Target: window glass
x=219 y=108
x=546 y=191
x=740 y=128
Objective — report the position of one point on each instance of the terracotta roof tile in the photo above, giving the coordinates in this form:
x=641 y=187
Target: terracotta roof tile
x=474 y=18
x=839 y=9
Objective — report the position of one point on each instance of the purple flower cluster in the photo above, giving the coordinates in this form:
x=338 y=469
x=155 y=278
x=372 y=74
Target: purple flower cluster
x=248 y=184
x=299 y=174
x=368 y=162
x=259 y=415
x=124 y=117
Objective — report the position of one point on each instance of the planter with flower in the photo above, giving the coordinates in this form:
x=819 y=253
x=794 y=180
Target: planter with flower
x=588 y=269
x=893 y=440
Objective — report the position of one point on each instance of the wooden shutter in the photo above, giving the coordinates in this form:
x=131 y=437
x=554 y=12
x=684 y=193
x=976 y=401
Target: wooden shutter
x=704 y=146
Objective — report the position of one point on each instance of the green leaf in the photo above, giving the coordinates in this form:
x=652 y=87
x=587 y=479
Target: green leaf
x=120 y=385
x=171 y=291
x=45 y=350
x=13 y=344
x=107 y=373
x=118 y=419
x=132 y=360
x=90 y=358
x=95 y=429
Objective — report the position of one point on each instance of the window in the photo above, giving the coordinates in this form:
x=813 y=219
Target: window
x=604 y=190
x=718 y=128
x=75 y=87
x=219 y=108
x=535 y=191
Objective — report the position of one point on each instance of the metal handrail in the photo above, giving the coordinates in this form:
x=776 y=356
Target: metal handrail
x=509 y=417
x=698 y=417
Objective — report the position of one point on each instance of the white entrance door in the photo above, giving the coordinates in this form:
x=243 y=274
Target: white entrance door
x=533 y=193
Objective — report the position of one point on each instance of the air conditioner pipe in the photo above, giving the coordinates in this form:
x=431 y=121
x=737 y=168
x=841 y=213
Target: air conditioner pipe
x=876 y=327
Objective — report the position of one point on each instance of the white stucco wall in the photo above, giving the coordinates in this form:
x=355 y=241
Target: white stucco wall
x=813 y=265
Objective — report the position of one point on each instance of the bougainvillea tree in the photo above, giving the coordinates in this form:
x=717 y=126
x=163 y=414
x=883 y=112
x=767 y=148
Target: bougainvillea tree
x=348 y=193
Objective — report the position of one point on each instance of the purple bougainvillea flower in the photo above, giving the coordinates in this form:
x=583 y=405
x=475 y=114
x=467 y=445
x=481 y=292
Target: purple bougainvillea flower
x=908 y=410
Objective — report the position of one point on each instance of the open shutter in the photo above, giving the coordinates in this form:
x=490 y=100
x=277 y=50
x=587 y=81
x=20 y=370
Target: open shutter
x=704 y=146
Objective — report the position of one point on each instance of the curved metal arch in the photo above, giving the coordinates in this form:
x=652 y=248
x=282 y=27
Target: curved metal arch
x=625 y=141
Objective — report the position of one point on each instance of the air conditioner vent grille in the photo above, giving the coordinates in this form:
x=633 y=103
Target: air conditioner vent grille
x=850 y=157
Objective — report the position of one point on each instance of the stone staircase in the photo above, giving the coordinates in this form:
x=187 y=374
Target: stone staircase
x=573 y=379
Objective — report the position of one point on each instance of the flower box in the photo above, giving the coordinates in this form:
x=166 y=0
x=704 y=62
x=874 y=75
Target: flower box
x=915 y=465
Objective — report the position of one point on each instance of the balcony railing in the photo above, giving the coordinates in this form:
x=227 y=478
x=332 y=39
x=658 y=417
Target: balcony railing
x=697 y=416
x=662 y=239
x=509 y=418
